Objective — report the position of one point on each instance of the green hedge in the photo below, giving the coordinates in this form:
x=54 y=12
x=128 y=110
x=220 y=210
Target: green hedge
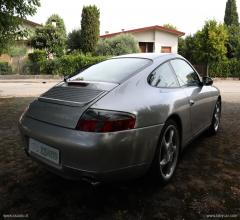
x=228 y=68
x=5 y=68
x=65 y=65
x=70 y=64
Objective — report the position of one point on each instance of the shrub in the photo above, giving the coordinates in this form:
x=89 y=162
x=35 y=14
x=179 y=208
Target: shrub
x=118 y=45
x=50 y=67
x=35 y=60
x=5 y=68
x=65 y=65
x=31 y=68
x=70 y=64
x=227 y=68
x=104 y=48
x=37 y=56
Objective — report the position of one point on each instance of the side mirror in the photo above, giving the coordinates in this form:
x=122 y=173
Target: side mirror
x=66 y=78
x=207 y=81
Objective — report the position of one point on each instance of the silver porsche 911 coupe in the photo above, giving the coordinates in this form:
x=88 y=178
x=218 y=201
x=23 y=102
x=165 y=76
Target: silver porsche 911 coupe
x=120 y=118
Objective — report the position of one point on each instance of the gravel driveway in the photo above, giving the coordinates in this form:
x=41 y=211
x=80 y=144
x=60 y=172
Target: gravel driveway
x=206 y=184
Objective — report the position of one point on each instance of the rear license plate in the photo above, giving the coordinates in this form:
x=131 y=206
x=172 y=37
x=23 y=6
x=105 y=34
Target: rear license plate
x=44 y=151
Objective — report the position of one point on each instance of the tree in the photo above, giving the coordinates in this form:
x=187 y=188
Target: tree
x=233 y=28
x=51 y=37
x=212 y=39
x=89 y=28
x=103 y=48
x=210 y=43
x=11 y=16
x=207 y=45
x=57 y=22
x=170 y=26
x=181 y=46
x=231 y=14
x=189 y=47
x=74 y=40
x=17 y=50
x=118 y=45
x=233 y=42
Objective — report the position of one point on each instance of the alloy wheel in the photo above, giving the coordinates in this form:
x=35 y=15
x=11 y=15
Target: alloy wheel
x=169 y=152
x=217 y=114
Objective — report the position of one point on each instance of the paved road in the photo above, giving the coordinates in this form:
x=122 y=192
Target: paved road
x=230 y=89
x=24 y=88
x=32 y=88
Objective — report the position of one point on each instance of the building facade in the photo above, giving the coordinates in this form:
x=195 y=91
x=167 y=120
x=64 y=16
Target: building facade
x=156 y=38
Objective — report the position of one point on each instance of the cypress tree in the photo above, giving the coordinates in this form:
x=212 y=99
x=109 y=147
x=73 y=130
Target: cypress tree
x=231 y=14
x=89 y=28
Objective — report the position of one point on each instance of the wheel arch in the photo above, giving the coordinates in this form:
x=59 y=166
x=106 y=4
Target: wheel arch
x=220 y=99
x=176 y=118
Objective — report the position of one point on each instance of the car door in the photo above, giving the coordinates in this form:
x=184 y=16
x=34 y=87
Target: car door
x=172 y=96
x=198 y=96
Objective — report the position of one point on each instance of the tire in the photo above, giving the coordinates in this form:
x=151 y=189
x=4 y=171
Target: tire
x=214 y=127
x=167 y=153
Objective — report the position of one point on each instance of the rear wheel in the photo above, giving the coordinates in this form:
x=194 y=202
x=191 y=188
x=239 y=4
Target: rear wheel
x=167 y=153
x=213 y=129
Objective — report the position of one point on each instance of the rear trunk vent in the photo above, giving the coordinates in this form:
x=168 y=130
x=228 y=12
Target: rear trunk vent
x=71 y=94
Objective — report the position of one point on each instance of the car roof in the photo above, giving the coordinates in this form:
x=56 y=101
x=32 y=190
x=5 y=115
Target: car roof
x=151 y=56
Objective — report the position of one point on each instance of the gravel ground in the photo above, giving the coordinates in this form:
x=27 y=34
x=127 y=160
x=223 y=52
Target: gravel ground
x=207 y=181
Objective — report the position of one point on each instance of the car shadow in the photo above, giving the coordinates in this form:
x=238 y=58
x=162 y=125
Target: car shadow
x=207 y=173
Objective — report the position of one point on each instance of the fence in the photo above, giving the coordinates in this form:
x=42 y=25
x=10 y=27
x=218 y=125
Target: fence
x=202 y=69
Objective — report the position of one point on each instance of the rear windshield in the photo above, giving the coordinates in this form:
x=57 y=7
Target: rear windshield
x=113 y=70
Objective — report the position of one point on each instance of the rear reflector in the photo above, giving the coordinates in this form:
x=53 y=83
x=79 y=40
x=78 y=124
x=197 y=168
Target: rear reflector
x=95 y=120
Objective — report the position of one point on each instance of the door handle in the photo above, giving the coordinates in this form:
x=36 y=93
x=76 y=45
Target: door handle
x=191 y=102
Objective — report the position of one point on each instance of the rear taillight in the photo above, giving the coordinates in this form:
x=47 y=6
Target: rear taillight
x=94 y=120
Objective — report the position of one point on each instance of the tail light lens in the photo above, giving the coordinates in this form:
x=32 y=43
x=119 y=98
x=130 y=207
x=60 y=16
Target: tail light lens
x=94 y=120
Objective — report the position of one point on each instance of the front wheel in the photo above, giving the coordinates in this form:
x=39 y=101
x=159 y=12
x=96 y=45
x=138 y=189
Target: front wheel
x=213 y=129
x=167 y=153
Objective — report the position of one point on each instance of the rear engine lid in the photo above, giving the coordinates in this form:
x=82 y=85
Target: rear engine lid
x=64 y=104
x=76 y=93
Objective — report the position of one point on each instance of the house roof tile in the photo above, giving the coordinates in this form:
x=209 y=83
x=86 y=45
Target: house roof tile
x=155 y=27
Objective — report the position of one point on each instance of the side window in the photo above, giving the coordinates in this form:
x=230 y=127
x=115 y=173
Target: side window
x=163 y=76
x=185 y=73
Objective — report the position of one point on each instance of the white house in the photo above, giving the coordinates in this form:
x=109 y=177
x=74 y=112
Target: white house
x=28 y=26
x=153 y=39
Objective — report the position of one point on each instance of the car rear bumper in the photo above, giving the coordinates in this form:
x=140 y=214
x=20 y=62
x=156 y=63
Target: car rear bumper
x=96 y=156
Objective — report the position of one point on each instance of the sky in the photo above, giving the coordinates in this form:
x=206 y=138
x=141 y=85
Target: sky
x=187 y=15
